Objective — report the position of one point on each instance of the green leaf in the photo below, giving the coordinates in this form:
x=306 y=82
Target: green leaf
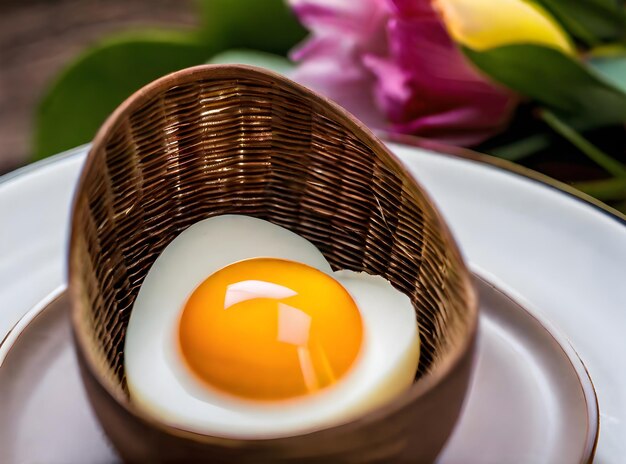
x=606 y=189
x=561 y=82
x=102 y=78
x=610 y=62
x=522 y=148
x=592 y=152
x=265 y=60
x=591 y=21
x=266 y=25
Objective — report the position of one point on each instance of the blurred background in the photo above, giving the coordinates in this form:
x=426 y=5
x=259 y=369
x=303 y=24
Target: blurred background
x=38 y=38
x=66 y=64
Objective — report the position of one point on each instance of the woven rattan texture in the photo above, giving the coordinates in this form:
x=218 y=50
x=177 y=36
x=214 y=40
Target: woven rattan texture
x=253 y=146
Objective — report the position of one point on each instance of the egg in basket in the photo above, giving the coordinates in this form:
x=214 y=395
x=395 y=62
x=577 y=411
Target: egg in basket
x=255 y=278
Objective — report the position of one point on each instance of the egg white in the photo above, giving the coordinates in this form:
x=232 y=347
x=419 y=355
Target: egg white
x=160 y=384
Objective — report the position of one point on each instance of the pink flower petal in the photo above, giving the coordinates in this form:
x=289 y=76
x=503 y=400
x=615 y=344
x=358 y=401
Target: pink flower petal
x=413 y=8
x=339 y=76
x=458 y=126
x=346 y=17
x=396 y=87
x=392 y=63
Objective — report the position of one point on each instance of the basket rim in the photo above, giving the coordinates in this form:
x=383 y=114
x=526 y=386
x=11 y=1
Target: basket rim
x=420 y=388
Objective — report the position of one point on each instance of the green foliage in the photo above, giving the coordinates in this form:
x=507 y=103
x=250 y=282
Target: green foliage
x=275 y=63
x=590 y=21
x=104 y=76
x=571 y=89
x=610 y=62
x=92 y=86
x=266 y=25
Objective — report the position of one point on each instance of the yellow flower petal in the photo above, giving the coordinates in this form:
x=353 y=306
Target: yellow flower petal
x=485 y=24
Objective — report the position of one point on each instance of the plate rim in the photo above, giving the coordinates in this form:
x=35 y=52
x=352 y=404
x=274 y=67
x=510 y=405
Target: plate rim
x=42 y=163
x=590 y=393
x=401 y=139
x=502 y=165
x=28 y=318
x=577 y=364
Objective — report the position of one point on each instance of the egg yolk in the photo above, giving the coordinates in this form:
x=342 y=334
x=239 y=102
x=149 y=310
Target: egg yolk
x=270 y=329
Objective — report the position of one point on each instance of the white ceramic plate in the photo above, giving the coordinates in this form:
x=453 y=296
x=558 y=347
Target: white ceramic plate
x=563 y=256
x=531 y=399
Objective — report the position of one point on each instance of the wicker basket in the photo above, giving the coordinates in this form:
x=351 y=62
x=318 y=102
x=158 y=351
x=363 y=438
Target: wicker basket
x=232 y=139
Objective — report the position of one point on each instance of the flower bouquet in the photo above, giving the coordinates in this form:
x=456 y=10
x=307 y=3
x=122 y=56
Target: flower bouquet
x=539 y=82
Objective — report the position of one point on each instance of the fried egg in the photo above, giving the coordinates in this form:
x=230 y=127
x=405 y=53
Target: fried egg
x=241 y=329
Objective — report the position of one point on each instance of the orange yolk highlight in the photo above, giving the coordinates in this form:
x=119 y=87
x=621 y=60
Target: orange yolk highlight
x=270 y=329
